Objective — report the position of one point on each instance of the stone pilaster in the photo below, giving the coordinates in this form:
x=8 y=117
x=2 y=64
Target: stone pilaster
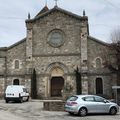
x=29 y=45
x=84 y=56
x=84 y=84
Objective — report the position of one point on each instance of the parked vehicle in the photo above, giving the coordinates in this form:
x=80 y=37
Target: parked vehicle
x=84 y=104
x=16 y=93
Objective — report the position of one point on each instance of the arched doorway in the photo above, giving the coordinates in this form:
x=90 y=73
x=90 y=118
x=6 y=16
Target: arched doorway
x=57 y=84
x=99 y=86
x=16 y=82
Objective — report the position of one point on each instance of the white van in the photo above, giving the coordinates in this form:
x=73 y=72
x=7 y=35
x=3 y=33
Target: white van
x=16 y=93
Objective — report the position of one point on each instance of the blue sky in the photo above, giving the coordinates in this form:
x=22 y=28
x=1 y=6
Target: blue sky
x=103 y=16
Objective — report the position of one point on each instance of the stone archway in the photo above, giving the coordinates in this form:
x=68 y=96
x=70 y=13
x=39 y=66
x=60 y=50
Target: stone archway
x=57 y=75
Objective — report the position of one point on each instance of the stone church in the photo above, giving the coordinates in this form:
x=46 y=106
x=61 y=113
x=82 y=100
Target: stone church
x=65 y=58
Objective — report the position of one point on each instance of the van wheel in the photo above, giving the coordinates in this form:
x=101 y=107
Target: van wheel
x=6 y=101
x=21 y=100
x=27 y=98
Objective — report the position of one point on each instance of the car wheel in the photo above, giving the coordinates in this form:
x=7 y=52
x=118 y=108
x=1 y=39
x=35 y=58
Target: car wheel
x=83 y=112
x=113 y=111
x=6 y=101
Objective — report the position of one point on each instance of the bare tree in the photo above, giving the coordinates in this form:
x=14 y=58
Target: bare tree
x=115 y=46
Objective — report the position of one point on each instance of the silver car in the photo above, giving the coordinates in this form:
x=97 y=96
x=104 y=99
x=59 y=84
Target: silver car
x=84 y=104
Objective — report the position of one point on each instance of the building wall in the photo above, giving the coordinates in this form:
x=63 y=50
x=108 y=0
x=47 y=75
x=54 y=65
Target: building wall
x=2 y=70
x=43 y=54
x=17 y=52
x=99 y=50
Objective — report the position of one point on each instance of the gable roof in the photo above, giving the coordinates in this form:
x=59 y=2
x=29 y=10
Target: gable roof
x=3 y=48
x=98 y=41
x=42 y=14
x=17 y=43
x=45 y=9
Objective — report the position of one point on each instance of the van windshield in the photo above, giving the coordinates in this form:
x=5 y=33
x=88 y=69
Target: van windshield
x=24 y=90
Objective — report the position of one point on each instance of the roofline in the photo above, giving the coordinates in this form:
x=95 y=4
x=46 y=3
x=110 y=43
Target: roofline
x=59 y=9
x=3 y=48
x=99 y=41
x=17 y=43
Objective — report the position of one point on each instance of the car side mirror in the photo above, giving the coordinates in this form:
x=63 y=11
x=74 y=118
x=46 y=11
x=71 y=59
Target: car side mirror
x=106 y=101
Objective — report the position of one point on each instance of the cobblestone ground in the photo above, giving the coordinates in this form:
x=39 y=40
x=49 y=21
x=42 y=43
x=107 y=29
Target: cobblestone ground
x=33 y=110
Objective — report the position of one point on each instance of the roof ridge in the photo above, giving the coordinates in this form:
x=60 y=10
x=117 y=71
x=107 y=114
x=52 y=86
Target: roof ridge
x=44 y=9
x=17 y=43
x=59 y=9
x=97 y=40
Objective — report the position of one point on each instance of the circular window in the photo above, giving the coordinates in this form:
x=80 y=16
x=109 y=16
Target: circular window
x=55 y=38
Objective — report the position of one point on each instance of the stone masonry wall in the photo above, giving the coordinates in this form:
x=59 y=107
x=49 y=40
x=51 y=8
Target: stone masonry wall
x=99 y=50
x=17 y=52
x=56 y=20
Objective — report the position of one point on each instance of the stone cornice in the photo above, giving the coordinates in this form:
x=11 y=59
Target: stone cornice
x=57 y=55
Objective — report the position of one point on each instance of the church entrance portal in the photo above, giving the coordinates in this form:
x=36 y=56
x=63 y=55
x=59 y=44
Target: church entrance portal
x=57 y=84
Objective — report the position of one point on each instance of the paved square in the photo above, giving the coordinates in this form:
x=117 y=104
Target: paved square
x=33 y=110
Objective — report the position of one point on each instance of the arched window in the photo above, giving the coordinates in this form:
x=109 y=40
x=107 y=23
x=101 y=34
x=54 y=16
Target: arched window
x=99 y=86
x=16 y=64
x=16 y=82
x=98 y=63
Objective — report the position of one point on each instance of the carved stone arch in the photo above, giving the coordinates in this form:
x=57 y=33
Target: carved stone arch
x=54 y=65
x=16 y=64
x=98 y=62
x=98 y=58
x=56 y=78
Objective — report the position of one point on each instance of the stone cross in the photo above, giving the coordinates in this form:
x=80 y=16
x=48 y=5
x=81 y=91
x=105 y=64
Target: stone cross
x=56 y=2
x=46 y=2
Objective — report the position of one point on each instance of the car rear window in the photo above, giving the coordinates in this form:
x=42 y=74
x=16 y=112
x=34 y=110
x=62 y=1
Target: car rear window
x=73 y=98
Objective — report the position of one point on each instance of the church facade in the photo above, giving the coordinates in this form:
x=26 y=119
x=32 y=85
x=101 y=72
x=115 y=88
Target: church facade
x=65 y=58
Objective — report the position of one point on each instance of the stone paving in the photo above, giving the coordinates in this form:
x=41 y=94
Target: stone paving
x=33 y=110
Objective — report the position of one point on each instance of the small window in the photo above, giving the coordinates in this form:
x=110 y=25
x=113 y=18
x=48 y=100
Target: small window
x=98 y=63
x=88 y=99
x=17 y=64
x=99 y=99
x=16 y=82
x=73 y=98
x=25 y=90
